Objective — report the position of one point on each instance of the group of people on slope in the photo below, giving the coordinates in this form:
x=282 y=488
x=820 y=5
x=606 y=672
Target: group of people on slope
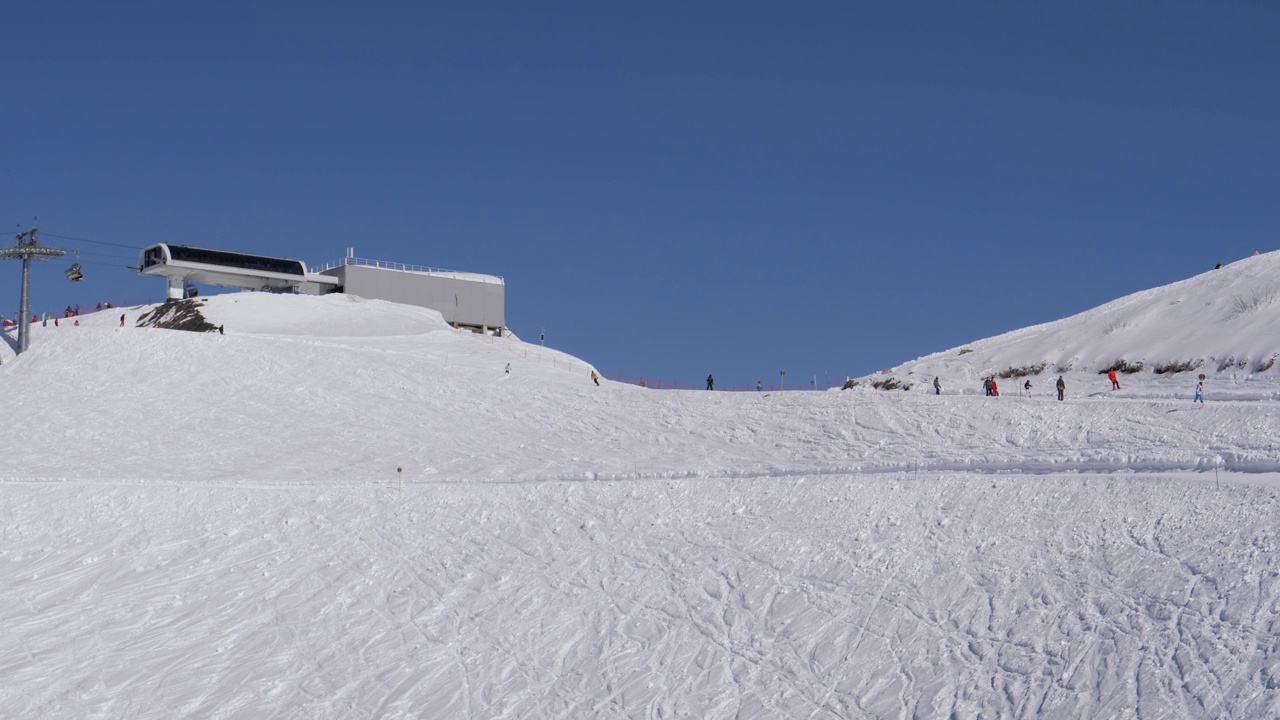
x=992 y=389
x=989 y=385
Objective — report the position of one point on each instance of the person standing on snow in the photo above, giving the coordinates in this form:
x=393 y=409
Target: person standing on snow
x=937 y=386
x=1199 y=398
x=995 y=391
x=711 y=383
x=595 y=378
x=1062 y=387
x=759 y=385
x=1026 y=387
x=121 y=319
x=1111 y=375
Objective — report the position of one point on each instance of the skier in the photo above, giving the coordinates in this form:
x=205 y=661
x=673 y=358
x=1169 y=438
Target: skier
x=1026 y=387
x=711 y=383
x=995 y=391
x=1111 y=375
x=508 y=370
x=759 y=385
x=1199 y=398
x=937 y=386
x=986 y=386
x=595 y=378
x=1062 y=387
x=121 y=319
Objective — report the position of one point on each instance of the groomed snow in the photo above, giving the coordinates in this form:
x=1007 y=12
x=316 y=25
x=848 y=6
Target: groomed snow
x=205 y=525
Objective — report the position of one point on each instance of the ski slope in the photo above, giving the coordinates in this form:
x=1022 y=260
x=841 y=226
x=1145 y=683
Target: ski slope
x=345 y=508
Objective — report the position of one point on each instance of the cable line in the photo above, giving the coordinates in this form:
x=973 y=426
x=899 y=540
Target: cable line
x=99 y=242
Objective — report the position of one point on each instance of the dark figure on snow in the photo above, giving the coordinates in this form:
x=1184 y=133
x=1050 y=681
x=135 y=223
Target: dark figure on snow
x=121 y=319
x=986 y=386
x=1062 y=387
x=711 y=383
x=759 y=385
x=1026 y=387
x=1111 y=375
x=937 y=387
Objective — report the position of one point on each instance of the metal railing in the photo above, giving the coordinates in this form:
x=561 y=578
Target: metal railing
x=402 y=267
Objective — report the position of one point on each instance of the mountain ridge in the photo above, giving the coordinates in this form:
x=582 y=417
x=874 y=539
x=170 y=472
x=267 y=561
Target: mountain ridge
x=1221 y=322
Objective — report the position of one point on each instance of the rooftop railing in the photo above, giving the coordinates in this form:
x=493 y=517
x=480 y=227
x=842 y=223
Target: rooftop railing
x=402 y=267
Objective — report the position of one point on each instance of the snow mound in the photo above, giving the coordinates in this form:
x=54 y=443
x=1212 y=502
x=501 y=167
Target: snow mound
x=327 y=316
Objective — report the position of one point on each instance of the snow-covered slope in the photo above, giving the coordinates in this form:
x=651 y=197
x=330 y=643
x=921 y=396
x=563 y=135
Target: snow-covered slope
x=345 y=508
x=1224 y=323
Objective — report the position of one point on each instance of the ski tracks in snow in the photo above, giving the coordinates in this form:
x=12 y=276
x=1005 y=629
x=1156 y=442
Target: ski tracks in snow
x=815 y=597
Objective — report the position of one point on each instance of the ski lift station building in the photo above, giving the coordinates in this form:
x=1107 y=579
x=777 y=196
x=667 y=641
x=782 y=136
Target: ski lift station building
x=469 y=300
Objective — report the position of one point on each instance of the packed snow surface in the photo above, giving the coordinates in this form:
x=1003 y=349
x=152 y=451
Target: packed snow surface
x=344 y=508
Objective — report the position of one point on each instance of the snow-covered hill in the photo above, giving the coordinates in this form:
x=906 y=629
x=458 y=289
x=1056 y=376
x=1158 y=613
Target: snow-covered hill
x=345 y=508
x=1224 y=323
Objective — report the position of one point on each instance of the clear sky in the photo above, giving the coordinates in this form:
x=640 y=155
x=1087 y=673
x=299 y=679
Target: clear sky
x=669 y=189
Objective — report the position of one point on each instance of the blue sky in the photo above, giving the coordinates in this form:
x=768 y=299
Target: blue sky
x=668 y=189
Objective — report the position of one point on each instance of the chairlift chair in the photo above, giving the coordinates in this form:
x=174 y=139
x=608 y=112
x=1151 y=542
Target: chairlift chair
x=73 y=273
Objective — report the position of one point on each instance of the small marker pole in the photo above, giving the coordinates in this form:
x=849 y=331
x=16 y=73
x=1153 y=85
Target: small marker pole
x=400 y=477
